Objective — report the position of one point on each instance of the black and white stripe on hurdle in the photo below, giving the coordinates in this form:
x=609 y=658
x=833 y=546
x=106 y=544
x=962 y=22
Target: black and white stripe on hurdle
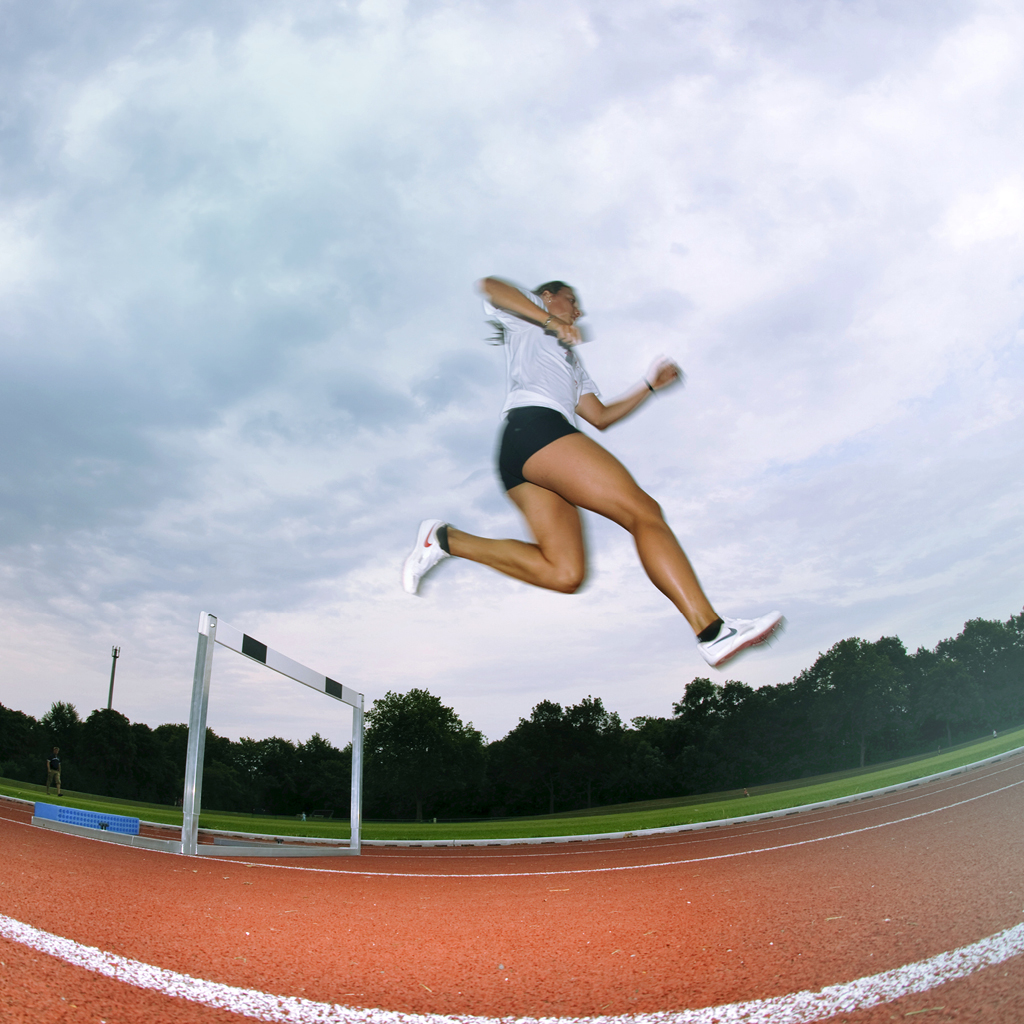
x=236 y=640
x=213 y=631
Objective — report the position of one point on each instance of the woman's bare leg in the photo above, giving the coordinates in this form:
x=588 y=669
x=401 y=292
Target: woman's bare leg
x=576 y=472
x=557 y=561
x=581 y=472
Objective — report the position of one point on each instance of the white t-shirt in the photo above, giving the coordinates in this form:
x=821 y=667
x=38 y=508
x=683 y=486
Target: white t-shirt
x=539 y=370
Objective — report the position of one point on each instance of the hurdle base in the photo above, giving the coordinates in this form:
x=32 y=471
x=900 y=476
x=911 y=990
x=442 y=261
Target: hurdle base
x=139 y=842
x=235 y=849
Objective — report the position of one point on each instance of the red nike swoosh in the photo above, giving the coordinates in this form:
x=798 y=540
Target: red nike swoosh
x=427 y=543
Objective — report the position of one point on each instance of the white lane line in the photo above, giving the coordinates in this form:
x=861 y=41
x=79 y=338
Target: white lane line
x=766 y=825
x=795 y=1008
x=620 y=867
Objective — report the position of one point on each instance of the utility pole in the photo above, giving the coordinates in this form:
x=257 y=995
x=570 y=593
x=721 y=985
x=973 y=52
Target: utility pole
x=115 y=653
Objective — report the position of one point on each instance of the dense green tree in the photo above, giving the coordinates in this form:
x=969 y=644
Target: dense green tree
x=154 y=775
x=224 y=788
x=1011 y=689
x=23 y=746
x=641 y=771
x=530 y=758
x=592 y=741
x=861 y=693
x=63 y=728
x=174 y=740
x=699 y=717
x=418 y=751
x=700 y=709
x=566 y=754
x=664 y=734
x=267 y=771
x=279 y=763
x=324 y=775
x=991 y=655
x=106 y=757
x=944 y=695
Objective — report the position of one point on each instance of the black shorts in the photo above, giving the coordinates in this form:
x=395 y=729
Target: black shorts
x=527 y=430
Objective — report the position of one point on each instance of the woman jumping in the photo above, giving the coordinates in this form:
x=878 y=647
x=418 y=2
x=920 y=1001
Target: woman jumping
x=551 y=470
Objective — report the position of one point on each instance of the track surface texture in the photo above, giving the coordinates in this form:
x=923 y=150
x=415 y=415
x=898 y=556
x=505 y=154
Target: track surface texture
x=665 y=925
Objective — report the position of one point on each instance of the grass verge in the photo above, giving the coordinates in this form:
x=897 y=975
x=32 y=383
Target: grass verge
x=621 y=818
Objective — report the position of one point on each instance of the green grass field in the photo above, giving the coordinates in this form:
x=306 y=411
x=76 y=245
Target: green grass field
x=620 y=818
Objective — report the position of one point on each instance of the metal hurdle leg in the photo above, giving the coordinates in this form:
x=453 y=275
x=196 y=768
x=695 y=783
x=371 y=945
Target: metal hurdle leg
x=356 y=813
x=197 y=736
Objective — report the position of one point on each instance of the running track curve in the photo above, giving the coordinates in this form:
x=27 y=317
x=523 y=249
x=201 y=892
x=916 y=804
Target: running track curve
x=905 y=907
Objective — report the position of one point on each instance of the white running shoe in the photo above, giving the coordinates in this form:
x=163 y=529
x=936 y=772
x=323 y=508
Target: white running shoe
x=737 y=635
x=424 y=556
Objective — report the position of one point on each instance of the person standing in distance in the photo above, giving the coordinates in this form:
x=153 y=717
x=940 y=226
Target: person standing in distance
x=551 y=470
x=53 y=771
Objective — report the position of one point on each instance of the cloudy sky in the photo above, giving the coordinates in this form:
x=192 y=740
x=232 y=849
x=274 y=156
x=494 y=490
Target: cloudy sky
x=242 y=354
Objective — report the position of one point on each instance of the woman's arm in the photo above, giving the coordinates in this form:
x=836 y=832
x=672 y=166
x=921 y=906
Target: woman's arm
x=508 y=297
x=602 y=416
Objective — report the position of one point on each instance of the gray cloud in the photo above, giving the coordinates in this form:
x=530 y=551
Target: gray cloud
x=242 y=355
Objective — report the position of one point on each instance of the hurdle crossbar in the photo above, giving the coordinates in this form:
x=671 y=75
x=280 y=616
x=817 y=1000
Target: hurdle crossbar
x=213 y=631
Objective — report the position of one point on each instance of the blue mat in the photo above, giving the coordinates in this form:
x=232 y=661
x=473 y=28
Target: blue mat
x=88 y=819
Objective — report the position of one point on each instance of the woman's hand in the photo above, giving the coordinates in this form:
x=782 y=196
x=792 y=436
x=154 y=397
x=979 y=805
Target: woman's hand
x=567 y=334
x=663 y=372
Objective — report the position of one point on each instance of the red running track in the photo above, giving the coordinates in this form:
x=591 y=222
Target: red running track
x=674 y=923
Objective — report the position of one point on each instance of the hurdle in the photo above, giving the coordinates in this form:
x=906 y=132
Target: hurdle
x=211 y=632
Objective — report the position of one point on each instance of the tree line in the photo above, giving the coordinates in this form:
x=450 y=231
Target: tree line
x=860 y=703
